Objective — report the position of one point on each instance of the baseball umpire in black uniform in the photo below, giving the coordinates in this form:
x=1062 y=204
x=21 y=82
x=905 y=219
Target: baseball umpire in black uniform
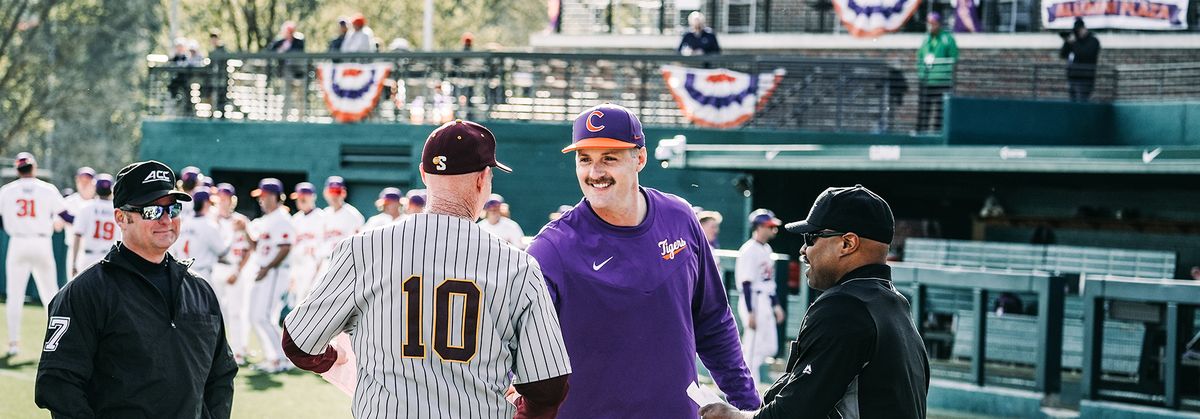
x=858 y=354
x=138 y=335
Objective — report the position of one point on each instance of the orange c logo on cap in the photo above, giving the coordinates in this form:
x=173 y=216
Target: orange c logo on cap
x=588 y=122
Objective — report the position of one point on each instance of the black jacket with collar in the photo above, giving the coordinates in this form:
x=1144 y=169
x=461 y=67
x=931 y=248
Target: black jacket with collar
x=858 y=355
x=117 y=348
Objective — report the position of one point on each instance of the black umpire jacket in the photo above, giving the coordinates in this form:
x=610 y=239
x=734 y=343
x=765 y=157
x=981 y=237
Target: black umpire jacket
x=116 y=347
x=858 y=355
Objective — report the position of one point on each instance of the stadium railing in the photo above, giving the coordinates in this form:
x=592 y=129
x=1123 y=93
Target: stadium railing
x=1169 y=307
x=918 y=282
x=823 y=95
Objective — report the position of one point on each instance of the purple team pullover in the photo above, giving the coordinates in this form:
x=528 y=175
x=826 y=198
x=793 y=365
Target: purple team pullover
x=636 y=305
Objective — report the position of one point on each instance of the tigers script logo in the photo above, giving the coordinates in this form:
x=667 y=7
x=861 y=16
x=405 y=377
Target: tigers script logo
x=669 y=250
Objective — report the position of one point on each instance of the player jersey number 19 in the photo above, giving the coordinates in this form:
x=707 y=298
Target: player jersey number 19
x=444 y=294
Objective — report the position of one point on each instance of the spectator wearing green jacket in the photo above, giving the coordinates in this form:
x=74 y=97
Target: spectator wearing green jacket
x=935 y=72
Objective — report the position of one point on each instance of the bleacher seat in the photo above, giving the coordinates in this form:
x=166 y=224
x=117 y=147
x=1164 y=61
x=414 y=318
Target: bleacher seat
x=1009 y=339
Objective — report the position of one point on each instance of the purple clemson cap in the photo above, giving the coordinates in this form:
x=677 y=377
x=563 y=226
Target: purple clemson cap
x=201 y=196
x=227 y=189
x=391 y=194
x=416 y=197
x=189 y=173
x=606 y=126
x=763 y=216
x=24 y=159
x=85 y=171
x=459 y=147
x=268 y=185
x=493 y=201
x=104 y=181
x=335 y=184
x=304 y=188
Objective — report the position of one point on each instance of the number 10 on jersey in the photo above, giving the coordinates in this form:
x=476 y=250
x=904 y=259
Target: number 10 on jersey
x=444 y=296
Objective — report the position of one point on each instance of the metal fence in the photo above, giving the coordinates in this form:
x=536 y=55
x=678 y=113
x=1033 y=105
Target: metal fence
x=839 y=95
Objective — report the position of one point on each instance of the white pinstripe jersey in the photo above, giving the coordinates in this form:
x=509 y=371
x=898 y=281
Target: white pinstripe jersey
x=439 y=314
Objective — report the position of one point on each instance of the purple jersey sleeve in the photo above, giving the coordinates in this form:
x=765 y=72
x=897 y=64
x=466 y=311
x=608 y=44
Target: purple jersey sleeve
x=716 y=334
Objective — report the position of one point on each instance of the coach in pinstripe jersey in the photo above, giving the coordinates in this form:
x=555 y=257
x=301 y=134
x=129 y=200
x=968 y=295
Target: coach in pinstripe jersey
x=440 y=312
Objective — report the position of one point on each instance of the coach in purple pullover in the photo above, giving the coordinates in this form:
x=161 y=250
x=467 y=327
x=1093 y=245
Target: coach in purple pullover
x=635 y=285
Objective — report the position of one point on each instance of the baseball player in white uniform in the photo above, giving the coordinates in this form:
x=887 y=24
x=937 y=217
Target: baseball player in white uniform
x=439 y=312
x=190 y=180
x=96 y=228
x=231 y=284
x=342 y=220
x=271 y=236
x=758 y=306
x=503 y=227
x=85 y=192
x=309 y=222
x=28 y=207
x=200 y=239
x=391 y=209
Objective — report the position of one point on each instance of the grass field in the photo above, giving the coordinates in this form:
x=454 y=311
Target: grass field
x=296 y=394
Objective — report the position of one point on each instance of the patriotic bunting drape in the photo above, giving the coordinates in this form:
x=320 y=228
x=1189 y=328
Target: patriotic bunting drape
x=719 y=98
x=871 y=18
x=352 y=90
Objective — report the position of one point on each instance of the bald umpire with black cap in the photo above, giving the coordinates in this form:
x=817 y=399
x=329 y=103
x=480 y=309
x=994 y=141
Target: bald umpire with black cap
x=138 y=335
x=858 y=354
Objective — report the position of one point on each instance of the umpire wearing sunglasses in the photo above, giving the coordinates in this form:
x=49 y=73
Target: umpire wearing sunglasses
x=858 y=354
x=138 y=334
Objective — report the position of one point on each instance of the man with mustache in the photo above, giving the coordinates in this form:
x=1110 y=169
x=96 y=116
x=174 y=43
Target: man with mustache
x=630 y=265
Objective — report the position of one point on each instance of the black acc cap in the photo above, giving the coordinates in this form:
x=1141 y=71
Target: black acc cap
x=849 y=210
x=144 y=182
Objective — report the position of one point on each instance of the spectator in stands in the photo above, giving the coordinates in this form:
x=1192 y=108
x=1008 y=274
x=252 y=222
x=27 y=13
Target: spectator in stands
x=1081 y=49
x=217 y=48
x=935 y=72
x=467 y=39
x=336 y=44
x=399 y=45
x=1195 y=273
x=362 y=38
x=289 y=40
x=701 y=40
x=179 y=80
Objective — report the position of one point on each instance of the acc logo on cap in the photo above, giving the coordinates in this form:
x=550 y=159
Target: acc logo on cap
x=588 y=122
x=158 y=176
x=439 y=162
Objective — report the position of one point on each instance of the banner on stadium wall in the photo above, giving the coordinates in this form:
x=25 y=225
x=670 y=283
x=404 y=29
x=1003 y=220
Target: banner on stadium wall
x=351 y=90
x=1163 y=15
x=871 y=18
x=719 y=98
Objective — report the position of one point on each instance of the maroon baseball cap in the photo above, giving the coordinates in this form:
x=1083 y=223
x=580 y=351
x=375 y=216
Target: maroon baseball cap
x=460 y=147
